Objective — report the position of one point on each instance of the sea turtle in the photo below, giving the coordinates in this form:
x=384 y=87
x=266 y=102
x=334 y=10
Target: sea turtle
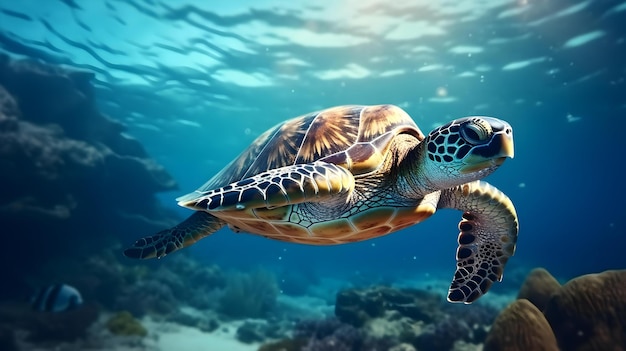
x=352 y=173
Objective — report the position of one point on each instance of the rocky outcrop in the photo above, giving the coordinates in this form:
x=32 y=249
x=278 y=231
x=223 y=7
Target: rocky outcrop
x=358 y=306
x=71 y=181
x=589 y=312
x=585 y=314
x=386 y=318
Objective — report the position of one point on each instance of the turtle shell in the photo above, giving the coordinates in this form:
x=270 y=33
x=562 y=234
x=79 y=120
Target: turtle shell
x=356 y=137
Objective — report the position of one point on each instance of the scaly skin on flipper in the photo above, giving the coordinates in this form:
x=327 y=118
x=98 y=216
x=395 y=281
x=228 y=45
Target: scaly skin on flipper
x=194 y=228
x=283 y=186
x=487 y=239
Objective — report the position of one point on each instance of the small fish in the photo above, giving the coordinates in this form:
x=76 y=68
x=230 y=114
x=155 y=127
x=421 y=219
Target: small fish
x=56 y=298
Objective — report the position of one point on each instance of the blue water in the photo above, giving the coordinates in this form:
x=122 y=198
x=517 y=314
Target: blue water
x=196 y=83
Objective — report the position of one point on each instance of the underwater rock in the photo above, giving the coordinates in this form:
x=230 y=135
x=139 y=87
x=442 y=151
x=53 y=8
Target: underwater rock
x=461 y=345
x=479 y=317
x=403 y=347
x=123 y=323
x=395 y=326
x=314 y=328
x=521 y=327
x=589 y=312
x=357 y=306
x=344 y=337
x=197 y=319
x=50 y=326
x=382 y=317
x=67 y=172
x=283 y=345
x=412 y=316
x=250 y=332
x=538 y=287
x=442 y=334
x=330 y=334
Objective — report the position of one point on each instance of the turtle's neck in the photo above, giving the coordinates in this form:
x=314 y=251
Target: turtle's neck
x=410 y=174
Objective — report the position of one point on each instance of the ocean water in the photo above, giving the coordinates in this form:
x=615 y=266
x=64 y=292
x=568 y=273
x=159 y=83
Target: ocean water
x=195 y=82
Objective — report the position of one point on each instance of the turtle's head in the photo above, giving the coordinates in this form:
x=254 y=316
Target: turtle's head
x=466 y=149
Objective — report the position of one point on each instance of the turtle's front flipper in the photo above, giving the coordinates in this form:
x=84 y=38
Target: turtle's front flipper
x=194 y=228
x=274 y=188
x=486 y=241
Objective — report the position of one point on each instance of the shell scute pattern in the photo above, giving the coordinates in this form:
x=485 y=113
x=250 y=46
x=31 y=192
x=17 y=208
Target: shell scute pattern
x=353 y=137
x=382 y=119
x=325 y=134
x=330 y=132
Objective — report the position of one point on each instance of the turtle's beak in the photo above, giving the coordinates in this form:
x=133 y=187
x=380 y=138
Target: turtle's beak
x=507 y=149
x=492 y=154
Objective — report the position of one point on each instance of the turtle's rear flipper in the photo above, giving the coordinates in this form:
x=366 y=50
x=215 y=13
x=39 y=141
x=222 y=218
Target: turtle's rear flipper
x=194 y=228
x=486 y=241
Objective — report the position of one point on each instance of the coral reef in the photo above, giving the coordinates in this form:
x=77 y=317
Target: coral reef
x=586 y=313
x=538 y=287
x=403 y=347
x=249 y=295
x=589 y=312
x=521 y=327
x=147 y=296
x=333 y=335
x=67 y=172
x=49 y=327
x=283 y=345
x=358 y=306
x=160 y=291
x=193 y=318
x=257 y=331
x=182 y=272
x=442 y=334
x=123 y=323
x=344 y=338
x=384 y=318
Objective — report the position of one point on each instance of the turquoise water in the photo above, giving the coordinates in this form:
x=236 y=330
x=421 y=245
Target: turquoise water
x=196 y=83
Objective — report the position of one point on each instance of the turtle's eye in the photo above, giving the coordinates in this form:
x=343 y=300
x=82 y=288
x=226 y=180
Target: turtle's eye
x=476 y=131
